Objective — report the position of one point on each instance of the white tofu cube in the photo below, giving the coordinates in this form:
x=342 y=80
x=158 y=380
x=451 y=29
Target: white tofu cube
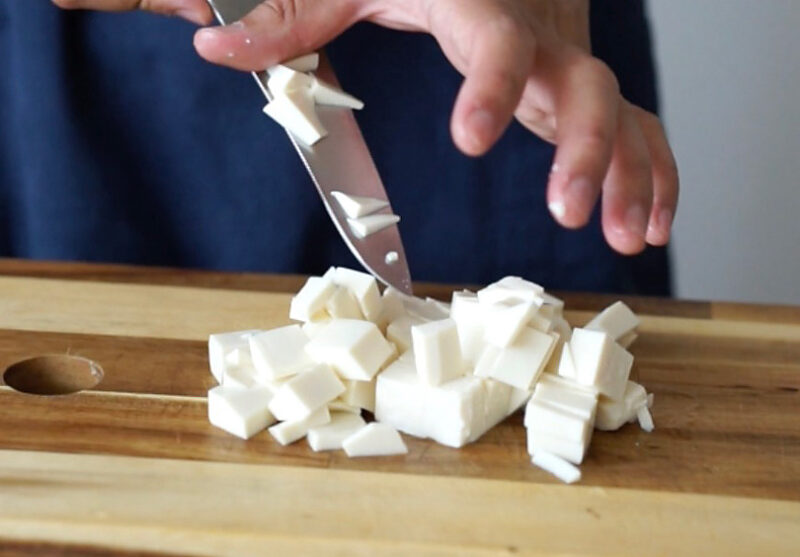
x=240 y=378
x=645 y=419
x=305 y=63
x=370 y=224
x=613 y=414
x=241 y=412
x=437 y=351
x=512 y=289
x=339 y=405
x=343 y=305
x=517 y=399
x=329 y=437
x=427 y=310
x=600 y=362
x=541 y=323
x=360 y=394
x=392 y=309
x=399 y=331
x=295 y=111
x=289 y=432
x=498 y=400
x=551 y=306
x=280 y=352
x=306 y=392
x=550 y=419
x=520 y=364
x=375 y=439
x=456 y=412
x=283 y=79
x=364 y=288
x=469 y=316
x=220 y=345
x=568 y=450
x=326 y=94
x=617 y=320
x=504 y=322
x=566 y=364
x=354 y=349
x=400 y=398
x=554 y=464
x=626 y=340
x=355 y=206
x=311 y=299
x=311 y=328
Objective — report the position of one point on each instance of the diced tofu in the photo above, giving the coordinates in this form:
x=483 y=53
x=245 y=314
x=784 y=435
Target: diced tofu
x=400 y=398
x=504 y=322
x=240 y=378
x=566 y=364
x=311 y=328
x=392 y=309
x=551 y=307
x=279 y=352
x=329 y=437
x=427 y=310
x=355 y=206
x=469 y=316
x=645 y=419
x=512 y=289
x=305 y=63
x=241 y=412
x=355 y=349
x=600 y=362
x=360 y=394
x=329 y=95
x=517 y=399
x=312 y=298
x=626 y=340
x=437 y=351
x=283 y=79
x=566 y=395
x=399 y=331
x=343 y=305
x=375 y=439
x=568 y=450
x=520 y=364
x=364 y=288
x=370 y=224
x=550 y=419
x=289 y=432
x=560 y=468
x=222 y=344
x=305 y=393
x=613 y=414
x=339 y=405
x=295 y=111
x=617 y=320
x=498 y=399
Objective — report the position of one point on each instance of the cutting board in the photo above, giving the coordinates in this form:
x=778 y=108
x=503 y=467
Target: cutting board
x=132 y=464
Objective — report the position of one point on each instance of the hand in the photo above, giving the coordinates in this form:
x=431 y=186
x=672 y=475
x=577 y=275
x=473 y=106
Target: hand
x=196 y=11
x=527 y=59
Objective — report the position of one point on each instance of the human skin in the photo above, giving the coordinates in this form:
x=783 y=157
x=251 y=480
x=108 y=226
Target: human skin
x=523 y=59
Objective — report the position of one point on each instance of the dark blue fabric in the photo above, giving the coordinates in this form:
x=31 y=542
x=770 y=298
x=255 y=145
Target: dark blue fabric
x=117 y=143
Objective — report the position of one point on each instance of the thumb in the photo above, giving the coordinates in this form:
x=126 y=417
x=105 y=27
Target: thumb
x=276 y=30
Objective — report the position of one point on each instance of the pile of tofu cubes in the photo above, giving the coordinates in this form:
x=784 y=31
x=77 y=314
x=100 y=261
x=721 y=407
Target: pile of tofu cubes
x=447 y=372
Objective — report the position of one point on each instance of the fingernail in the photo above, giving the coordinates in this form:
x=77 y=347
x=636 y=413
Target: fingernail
x=480 y=128
x=636 y=221
x=665 y=220
x=214 y=32
x=557 y=209
x=191 y=15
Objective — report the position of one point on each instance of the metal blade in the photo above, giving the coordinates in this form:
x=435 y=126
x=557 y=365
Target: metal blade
x=340 y=162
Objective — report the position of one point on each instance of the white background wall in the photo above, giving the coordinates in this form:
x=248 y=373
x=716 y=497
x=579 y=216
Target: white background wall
x=730 y=91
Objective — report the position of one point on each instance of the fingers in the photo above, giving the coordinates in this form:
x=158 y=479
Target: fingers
x=628 y=188
x=587 y=110
x=665 y=177
x=498 y=64
x=196 y=11
x=274 y=31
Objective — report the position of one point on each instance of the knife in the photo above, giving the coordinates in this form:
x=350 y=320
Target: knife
x=340 y=162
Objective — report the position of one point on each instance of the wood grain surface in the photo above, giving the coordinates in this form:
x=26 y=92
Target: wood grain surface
x=722 y=467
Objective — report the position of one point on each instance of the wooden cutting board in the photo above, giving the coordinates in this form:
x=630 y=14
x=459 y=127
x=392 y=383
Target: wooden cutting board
x=132 y=465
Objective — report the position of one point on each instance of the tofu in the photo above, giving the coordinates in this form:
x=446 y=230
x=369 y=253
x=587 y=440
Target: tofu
x=326 y=94
x=343 y=305
x=504 y=322
x=520 y=364
x=283 y=79
x=305 y=393
x=517 y=399
x=399 y=331
x=551 y=306
x=617 y=320
x=354 y=349
x=498 y=400
x=375 y=439
x=240 y=378
x=512 y=289
x=240 y=412
x=295 y=111
x=426 y=310
x=392 y=309
x=364 y=288
x=305 y=63
x=312 y=298
x=280 y=352
x=360 y=394
x=339 y=405
x=571 y=451
x=557 y=466
x=626 y=340
x=329 y=437
x=220 y=345
x=469 y=316
x=566 y=395
x=356 y=206
x=566 y=364
x=370 y=224
x=437 y=351
x=400 y=398
x=613 y=414
x=645 y=419
x=286 y=433
x=551 y=419
x=600 y=362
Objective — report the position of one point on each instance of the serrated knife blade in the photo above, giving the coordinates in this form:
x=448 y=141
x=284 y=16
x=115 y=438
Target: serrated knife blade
x=340 y=162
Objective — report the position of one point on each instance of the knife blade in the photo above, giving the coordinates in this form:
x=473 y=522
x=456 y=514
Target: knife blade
x=340 y=162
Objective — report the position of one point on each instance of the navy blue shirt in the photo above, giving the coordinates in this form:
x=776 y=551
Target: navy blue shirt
x=118 y=143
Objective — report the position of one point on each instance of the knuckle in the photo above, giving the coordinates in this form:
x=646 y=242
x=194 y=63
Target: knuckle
x=506 y=26
x=285 y=11
x=601 y=73
x=66 y=4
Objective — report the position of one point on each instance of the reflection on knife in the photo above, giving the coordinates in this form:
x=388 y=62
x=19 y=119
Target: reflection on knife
x=341 y=162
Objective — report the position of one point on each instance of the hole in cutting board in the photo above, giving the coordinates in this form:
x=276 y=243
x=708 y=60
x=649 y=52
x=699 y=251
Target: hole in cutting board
x=57 y=374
